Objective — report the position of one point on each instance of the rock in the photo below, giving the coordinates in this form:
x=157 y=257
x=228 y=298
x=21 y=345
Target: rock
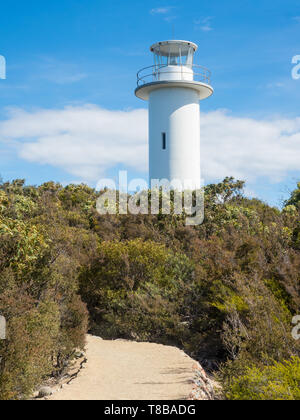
x=79 y=354
x=46 y=391
x=204 y=388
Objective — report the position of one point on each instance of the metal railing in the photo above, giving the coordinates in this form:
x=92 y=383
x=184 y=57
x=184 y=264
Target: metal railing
x=154 y=74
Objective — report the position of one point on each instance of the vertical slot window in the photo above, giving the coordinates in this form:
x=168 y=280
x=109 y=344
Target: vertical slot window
x=164 y=141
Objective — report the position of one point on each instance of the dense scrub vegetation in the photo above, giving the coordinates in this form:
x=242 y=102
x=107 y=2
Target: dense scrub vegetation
x=277 y=382
x=225 y=291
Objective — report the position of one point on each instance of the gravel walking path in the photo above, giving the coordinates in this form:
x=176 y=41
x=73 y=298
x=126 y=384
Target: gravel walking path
x=125 y=370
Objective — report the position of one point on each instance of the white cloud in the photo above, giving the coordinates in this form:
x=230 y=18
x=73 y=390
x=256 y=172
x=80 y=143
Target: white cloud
x=165 y=11
x=205 y=24
x=87 y=141
x=161 y=10
x=247 y=148
x=248 y=192
x=84 y=141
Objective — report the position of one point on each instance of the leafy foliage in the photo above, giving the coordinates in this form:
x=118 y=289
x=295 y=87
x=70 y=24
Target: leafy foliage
x=46 y=320
x=277 y=382
x=225 y=291
x=294 y=200
x=135 y=289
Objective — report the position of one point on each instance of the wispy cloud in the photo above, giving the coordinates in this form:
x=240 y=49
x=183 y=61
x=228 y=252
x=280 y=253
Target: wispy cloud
x=63 y=79
x=59 y=72
x=88 y=141
x=161 y=10
x=204 y=24
x=165 y=12
x=296 y=18
x=170 y=18
x=276 y=85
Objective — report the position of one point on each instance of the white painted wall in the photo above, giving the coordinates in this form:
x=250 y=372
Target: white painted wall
x=175 y=73
x=175 y=111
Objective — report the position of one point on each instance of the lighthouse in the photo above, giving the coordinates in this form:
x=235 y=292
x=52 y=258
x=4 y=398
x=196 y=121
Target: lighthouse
x=174 y=87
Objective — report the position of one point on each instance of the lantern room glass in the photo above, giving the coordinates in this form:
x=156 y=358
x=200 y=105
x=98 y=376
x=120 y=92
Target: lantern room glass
x=184 y=56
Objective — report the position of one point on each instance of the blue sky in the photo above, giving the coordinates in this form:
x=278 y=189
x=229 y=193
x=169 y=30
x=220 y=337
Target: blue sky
x=72 y=65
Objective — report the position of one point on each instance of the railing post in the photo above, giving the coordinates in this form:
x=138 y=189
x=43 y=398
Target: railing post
x=200 y=73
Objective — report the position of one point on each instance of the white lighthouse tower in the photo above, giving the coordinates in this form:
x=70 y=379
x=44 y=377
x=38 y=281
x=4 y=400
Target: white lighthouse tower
x=174 y=85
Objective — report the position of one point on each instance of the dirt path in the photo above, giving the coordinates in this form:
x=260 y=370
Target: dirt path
x=124 y=370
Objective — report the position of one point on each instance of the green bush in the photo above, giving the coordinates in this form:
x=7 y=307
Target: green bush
x=46 y=319
x=278 y=382
x=28 y=349
x=135 y=289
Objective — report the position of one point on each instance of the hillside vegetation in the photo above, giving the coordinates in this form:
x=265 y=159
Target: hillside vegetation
x=225 y=291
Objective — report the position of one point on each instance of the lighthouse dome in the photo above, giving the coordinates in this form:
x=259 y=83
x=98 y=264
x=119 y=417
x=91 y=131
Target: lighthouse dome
x=173 y=47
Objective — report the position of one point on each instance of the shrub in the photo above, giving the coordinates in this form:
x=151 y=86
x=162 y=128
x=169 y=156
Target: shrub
x=278 y=382
x=46 y=319
x=30 y=345
x=135 y=289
